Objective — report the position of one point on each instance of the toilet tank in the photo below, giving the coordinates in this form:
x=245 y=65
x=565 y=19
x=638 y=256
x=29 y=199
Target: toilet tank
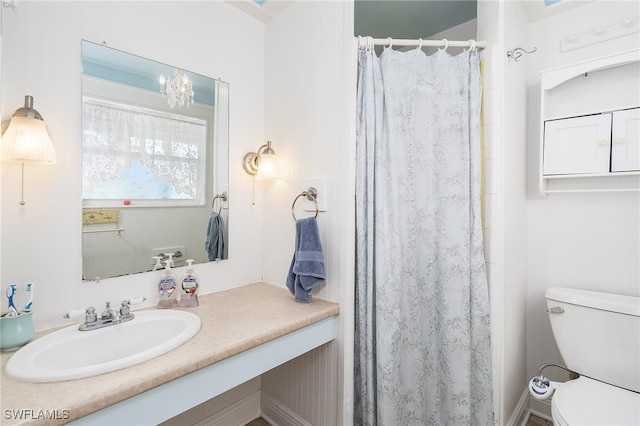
x=598 y=334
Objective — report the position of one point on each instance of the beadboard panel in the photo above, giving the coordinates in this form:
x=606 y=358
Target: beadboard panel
x=309 y=109
x=230 y=408
x=303 y=386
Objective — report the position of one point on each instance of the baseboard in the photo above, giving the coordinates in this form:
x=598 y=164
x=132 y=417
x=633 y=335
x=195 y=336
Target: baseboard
x=520 y=415
x=239 y=413
x=541 y=408
x=279 y=414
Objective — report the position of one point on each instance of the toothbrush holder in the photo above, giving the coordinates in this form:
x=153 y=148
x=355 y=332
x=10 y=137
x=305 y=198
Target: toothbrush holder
x=15 y=332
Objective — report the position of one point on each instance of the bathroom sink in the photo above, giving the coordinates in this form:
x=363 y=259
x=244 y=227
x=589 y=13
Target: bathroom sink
x=72 y=354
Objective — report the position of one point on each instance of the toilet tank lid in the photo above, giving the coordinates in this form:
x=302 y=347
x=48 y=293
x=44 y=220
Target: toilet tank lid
x=629 y=305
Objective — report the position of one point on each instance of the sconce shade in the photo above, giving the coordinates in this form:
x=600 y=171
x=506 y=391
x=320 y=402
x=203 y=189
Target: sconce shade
x=264 y=164
x=26 y=139
x=268 y=167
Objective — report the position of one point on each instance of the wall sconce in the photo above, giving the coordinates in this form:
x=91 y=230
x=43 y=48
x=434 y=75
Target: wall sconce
x=26 y=140
x=262 y=164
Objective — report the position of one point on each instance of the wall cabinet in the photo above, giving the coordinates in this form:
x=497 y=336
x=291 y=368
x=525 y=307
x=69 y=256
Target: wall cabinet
x=599 y=143
x=577 y=145
x=625 y=141
x=590 y=126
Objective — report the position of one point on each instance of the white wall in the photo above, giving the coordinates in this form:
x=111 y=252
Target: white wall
x=308 y=110
x=587 y=241
x=310 y=103
x=514 y=185
x=41 y=241
x=500 y=24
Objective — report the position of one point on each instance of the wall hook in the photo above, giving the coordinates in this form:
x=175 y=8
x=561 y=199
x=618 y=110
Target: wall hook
x=11 y=4
x=517 y=52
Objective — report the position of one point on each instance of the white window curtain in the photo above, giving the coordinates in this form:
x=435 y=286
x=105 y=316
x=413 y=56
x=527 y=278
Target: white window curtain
x=136 y=153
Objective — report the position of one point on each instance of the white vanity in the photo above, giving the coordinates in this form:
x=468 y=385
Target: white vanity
x=245 y=332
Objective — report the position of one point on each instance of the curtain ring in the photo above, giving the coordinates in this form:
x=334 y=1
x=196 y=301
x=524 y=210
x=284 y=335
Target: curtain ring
x=472 y=45
x=419 y=44
x=390 y=43
x=446 y=44
x=363 y=43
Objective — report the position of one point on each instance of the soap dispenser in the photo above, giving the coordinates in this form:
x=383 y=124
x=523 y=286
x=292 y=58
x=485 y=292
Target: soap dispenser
x=157 y=265
x=189 y=287
x=167 y=286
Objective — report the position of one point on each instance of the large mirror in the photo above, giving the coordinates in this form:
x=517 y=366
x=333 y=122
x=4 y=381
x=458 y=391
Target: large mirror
x=154 y=164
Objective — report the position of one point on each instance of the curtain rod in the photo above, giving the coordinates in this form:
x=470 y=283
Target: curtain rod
x=365 y=41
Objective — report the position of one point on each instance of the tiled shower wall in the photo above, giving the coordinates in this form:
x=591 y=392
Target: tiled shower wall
x=500 y=23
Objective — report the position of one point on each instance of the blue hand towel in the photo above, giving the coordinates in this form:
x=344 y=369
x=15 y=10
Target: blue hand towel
x=214 y=244
x=307 y=266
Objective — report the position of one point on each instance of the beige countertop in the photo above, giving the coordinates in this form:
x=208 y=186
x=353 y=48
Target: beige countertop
x=233 y=321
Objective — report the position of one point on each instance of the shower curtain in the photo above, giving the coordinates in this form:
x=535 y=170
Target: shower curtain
x=422 y=346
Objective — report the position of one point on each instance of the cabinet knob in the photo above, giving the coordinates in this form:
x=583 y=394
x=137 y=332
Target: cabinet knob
x=619 y=140
x=603 y=142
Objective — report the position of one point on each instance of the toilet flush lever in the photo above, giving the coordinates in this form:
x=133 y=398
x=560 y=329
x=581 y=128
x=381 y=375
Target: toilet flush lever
x=556 y=310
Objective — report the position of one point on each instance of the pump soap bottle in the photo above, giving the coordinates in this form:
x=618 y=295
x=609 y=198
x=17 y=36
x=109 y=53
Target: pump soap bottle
x=189 y=284
x=167 y=286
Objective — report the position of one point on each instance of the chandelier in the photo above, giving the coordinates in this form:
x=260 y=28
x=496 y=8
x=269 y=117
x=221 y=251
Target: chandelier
x=178 y=89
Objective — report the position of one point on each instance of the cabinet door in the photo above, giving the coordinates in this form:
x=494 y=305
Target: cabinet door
x=625 y=148
x=577 y=145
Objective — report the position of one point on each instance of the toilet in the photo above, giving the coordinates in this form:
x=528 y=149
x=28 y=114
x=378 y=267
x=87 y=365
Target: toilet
x=598 y=335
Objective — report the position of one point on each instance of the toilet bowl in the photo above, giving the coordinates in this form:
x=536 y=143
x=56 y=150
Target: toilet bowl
x=598 y=335
x=585 y=401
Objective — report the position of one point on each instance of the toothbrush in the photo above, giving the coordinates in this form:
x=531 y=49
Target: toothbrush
x=11 y=290
x=29 y=304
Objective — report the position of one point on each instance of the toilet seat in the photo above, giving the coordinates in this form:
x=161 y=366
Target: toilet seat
x=585 y=401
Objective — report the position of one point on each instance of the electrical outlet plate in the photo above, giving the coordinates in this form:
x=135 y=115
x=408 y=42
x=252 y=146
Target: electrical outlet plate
x=179 y=252
x=320 y=184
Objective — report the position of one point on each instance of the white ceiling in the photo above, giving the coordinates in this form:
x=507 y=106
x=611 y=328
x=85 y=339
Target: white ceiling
x=536 y=10
x=393 y=18
x=262 y=10
x=383 y=18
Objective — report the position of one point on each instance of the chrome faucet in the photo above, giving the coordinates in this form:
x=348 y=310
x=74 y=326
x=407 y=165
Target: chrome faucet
x=108 y=317
x=109 y=314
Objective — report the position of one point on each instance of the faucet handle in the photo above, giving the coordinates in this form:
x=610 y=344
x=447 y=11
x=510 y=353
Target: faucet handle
x=136 y=300
x=91 y=315
x=74 y=313
x=124 y=308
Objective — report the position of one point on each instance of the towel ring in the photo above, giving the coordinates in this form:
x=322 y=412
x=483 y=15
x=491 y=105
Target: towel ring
x=312 y=195
x=221 y=198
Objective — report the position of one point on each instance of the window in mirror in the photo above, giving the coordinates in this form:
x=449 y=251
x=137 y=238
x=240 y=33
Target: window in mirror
x=130 y=152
